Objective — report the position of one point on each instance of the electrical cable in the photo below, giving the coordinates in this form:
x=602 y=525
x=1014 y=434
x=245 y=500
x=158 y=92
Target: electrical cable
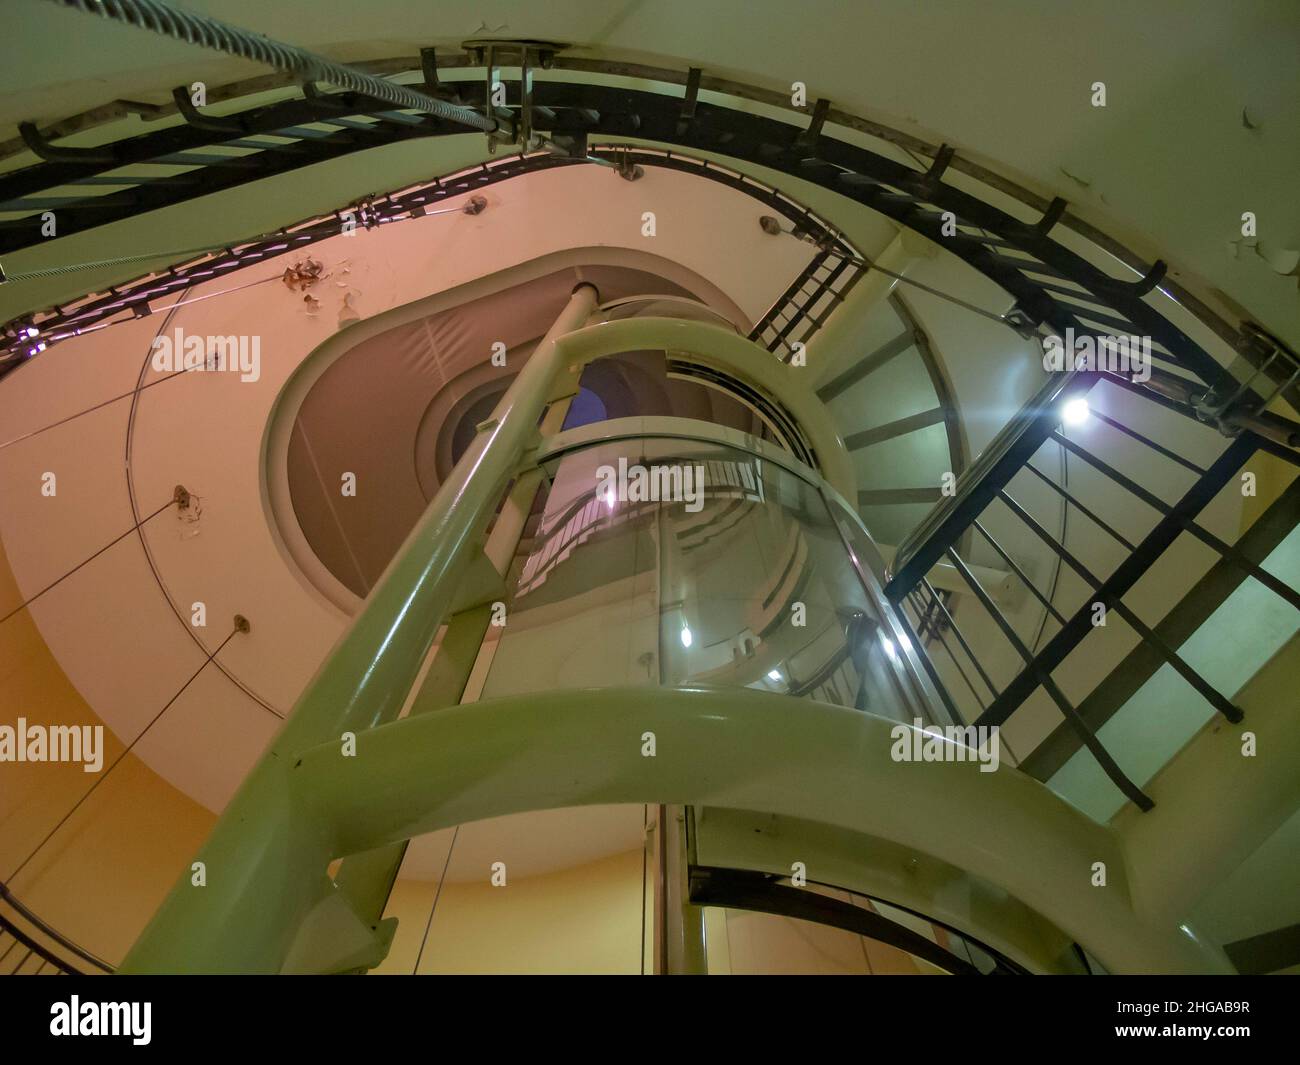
x=436 y=895
x=125 y=751
x=94 y=264
x=21 y=606
x=89 y=410
x=1001 y=319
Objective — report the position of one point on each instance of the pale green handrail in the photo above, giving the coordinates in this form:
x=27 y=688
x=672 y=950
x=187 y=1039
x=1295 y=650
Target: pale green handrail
x=751 y=750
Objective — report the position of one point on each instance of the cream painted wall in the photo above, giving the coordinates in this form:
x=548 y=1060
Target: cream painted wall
x=104 y=872
x=746 y=943
x=585 y=919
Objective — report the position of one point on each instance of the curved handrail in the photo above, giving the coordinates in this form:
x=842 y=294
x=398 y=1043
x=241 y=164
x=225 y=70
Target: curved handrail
x=713 y=346
x=783 y=755
x=36 y=922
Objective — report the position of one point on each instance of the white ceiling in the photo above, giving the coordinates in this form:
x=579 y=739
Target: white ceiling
x=1167 y=165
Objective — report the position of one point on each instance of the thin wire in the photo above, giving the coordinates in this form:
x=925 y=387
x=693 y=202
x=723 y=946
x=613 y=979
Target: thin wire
x=436 y=896
x=999 y=318
x=89 y=410
x=74 y=268
x=118 y=760
x=139 y=388
x=78 y=566
x=212 y=295
x=645 y=822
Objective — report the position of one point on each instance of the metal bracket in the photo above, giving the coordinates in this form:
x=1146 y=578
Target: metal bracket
x=365 y=211
x=429 y=67
x=194 y=117
x=514 y=128
x=807 y=140
x=1027 y=315
x=941 y=160
x=1151 y=278
x=1051 y=216
x=52 y=153
x=628 y=170
x=689 y=103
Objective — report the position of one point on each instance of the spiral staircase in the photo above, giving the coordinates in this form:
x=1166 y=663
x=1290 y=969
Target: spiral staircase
x=857 y=310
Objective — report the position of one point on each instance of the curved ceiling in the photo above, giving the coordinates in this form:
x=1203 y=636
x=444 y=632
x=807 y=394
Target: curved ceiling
x=1199 y=126
x=398 y=410
x=1202 y=99
x=122 y=628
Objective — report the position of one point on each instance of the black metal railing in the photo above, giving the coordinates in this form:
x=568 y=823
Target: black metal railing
x=808 y=300
x=28 y=946
x=986 y=490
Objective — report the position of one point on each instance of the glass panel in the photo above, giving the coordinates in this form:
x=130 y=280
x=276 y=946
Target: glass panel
x=687 y=563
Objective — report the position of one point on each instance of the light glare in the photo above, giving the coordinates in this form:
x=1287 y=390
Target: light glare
x=1075 y=412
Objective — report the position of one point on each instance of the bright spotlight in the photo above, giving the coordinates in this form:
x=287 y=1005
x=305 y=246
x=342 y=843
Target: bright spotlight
x=774 y=675
x=1075 y=412
x=687 y=638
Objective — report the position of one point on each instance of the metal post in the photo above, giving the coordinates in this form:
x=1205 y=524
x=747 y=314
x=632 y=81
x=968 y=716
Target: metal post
x=683 y=921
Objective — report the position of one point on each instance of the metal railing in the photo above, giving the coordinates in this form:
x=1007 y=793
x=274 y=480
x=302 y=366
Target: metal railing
x=986 y=490
x=30 y=946
x=1022 y=258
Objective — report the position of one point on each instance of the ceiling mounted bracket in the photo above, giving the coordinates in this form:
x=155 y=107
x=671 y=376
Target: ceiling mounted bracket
x=807 y=140
x=690 y=101
x=513 y=127
x=1151 y=279
x=627 y=169
x=1051 y=216
x=1023 y=322
x=429 y=67
x=52 y=153
x=934 y=175
x=194 y=117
